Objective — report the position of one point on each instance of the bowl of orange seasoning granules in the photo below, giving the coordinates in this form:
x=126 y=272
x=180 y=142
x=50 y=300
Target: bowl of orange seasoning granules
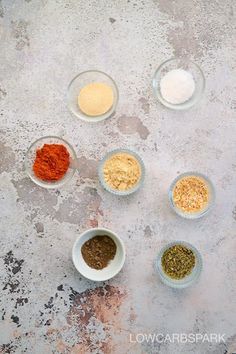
x=50 y=162
x=191 y=195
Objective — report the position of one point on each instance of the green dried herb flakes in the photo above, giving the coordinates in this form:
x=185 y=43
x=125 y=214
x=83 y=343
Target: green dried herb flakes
x=178 y=261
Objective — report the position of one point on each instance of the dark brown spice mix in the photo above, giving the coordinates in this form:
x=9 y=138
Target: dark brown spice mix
x=98 y=251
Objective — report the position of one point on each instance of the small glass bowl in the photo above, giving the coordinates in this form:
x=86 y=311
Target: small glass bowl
x=114 y=191
x=185 y=64
x=189 y=279
x=200 y=213
x=30 y=158
x=83 y=79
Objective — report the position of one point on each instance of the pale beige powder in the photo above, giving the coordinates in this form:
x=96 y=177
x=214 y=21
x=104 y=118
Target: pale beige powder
x=122 y=171
x=95 y=99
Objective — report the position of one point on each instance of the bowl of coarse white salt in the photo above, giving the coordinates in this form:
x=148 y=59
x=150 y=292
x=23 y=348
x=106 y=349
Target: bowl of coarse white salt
x=178 y=83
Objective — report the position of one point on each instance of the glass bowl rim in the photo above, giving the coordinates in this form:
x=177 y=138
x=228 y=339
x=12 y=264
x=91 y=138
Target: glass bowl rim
x=184 y=105
x=83 y=116
x=136 y=186
x=189 y=279
x=197 y=214
x=51 y=185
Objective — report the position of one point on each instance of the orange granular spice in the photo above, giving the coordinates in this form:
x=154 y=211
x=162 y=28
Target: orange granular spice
x=51 y=162
x=191 y=194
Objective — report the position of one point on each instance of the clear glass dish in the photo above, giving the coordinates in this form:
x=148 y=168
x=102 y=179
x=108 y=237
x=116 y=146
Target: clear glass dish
x=186 y=281
x=82 y=80
x=101 y=174
x=202 y=212
x=185 y=64
x=30 y=158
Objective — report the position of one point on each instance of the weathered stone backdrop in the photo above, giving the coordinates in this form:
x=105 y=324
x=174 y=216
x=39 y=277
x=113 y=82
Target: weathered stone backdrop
x=46 y=306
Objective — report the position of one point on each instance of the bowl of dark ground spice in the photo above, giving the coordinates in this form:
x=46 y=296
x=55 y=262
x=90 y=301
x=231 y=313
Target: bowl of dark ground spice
x=98 y=254
x=179 y=264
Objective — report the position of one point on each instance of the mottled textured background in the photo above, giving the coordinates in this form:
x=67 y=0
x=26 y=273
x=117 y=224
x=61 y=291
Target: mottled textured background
x=46 y=306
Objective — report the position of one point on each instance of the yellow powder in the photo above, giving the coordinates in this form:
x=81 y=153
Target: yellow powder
x=95 y=99
x=122 y=171
x=191 y=194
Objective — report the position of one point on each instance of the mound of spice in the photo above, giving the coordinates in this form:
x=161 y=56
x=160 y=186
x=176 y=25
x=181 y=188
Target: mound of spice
x=95 y=99
x=98 y=251
x=177 y=86
x=191 y=194
x=178 y=261
x=121 y=171
x=52 y=162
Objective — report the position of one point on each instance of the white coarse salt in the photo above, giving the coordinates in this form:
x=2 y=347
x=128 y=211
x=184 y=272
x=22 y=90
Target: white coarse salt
x=177 y=86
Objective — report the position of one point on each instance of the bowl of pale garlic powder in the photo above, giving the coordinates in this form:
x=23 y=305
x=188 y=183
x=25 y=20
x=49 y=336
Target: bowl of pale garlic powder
x=121 y=172
x=92 y=96
x=178 y=83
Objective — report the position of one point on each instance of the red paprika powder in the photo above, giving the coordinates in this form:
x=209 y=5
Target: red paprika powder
x=51 y=162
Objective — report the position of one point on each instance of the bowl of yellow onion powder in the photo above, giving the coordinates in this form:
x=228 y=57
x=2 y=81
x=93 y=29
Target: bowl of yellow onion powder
x=179 y=264
x=121 y=172
x=92 y=96
x=191 y=195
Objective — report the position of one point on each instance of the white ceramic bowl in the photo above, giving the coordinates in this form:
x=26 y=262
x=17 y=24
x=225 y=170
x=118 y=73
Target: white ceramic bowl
x=114 y=265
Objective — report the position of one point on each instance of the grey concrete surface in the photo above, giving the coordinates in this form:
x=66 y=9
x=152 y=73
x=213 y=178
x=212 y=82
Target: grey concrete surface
x=46 y=306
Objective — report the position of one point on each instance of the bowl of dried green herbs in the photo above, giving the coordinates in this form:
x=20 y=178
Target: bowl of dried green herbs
x=179 y=264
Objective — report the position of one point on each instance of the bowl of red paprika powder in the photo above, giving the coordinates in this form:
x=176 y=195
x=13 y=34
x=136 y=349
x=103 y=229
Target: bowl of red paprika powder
x=50 y=162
